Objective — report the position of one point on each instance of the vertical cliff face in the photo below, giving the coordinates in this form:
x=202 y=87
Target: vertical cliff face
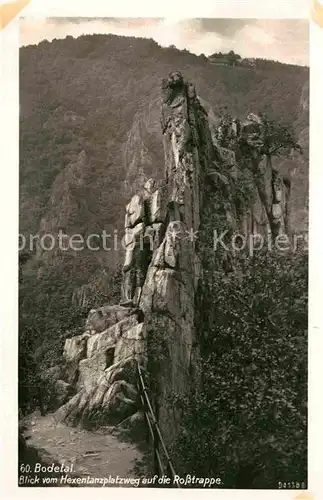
x=162 y=265
x=156 y=323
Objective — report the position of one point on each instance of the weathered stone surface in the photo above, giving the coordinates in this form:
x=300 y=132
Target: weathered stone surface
x=158 y=258
x=96 y=398
x=228 y=155
x=268 y=184
x=104 y=377
x=136 y=424
x=102 y=318
x=160 y=292
x=165 y=298
x=75 y=348
x=101 y=341
x=134 y=242
x=154 y=234
x=134 y=211
x=54 y=373
x=174 y=237
x=278 y=190
x=91 y=369
x=119 y=387
x=119 y=401
x=68 y=408
x=149 y=188
x=57 y=391
x=277 y=211
x=63 y=391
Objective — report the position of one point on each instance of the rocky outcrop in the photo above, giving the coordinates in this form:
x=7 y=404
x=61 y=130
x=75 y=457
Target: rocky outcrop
x=102 y=366
x=155 y=324
x=161 y=272
x=271 y=189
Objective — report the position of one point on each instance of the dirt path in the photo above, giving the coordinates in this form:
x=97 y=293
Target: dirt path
x=97 y=454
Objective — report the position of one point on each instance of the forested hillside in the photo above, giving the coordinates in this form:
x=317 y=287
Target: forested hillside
x=89 y=94
x=90 y=131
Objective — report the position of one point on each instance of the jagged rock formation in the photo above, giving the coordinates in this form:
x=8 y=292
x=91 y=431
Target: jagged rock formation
x=160 y=273
x=101 y=365
x=156 y=322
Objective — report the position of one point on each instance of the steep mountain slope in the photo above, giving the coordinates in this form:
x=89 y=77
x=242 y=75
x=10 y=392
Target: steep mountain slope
x=219 y=337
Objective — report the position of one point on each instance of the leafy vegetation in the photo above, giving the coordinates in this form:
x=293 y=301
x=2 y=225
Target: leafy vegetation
x=248 y=423
x=45 y=325
x=231 y=58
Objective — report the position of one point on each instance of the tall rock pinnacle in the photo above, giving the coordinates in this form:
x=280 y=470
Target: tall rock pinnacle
x=155 y=324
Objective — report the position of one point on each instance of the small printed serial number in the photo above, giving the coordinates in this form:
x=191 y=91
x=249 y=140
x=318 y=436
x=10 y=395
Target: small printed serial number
x=292 y=485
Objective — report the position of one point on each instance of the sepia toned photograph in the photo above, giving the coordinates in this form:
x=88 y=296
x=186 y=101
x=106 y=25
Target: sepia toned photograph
x=163 y=253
